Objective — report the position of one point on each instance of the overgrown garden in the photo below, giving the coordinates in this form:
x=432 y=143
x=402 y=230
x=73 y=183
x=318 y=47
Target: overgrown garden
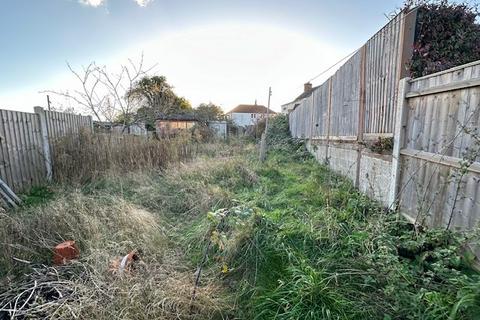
x=285 y=239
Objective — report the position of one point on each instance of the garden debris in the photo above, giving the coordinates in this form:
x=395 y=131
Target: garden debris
x=38 y=295
x=125 y=264
x=65 y=252
x=8 y=197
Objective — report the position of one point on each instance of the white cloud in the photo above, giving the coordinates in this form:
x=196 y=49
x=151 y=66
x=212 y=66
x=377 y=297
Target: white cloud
x=142 y=3
x=93 y=3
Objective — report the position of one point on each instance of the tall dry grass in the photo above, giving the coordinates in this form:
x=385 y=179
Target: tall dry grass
x=106 y=224
x=81 y=158
x=127 y=204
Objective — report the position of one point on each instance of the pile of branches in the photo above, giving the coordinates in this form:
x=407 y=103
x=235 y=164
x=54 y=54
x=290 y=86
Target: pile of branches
x=79 y=290
x=446 y=35
x=42 y=293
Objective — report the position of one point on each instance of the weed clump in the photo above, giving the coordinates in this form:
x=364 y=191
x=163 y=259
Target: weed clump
x=279 y=139
x=85 y=157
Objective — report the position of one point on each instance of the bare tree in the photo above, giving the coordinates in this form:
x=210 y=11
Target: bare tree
x=104 y=93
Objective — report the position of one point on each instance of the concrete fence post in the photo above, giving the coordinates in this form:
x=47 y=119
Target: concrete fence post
x=361 y=114
x=90 y=119
x=329 y=113
x=401 y=118
x=42 y=118
x=263 y=147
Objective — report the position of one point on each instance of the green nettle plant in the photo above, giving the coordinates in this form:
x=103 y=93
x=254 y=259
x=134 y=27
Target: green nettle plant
x=447 y=35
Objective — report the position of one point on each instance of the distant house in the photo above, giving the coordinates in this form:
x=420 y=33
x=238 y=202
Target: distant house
x=167 y=125
x=307 y=92
x=248 y=114
x=137 y=129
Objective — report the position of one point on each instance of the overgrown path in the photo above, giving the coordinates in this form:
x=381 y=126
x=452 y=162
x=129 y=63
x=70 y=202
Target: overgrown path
x=288 y=240
x=301 y=243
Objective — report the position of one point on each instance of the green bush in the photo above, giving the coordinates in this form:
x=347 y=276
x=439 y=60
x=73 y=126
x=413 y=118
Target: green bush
x=447 y=35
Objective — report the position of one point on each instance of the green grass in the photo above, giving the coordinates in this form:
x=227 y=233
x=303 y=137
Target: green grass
x=317 y=249
x=37 y=196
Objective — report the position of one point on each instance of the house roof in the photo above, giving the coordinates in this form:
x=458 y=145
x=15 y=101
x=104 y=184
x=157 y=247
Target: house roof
x=177 y=117
x=251 y=108
x=302 y=96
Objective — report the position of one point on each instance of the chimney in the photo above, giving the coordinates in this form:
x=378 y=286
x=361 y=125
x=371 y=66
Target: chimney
x=307 y=87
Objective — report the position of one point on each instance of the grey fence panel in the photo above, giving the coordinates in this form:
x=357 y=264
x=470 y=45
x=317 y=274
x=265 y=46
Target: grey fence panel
x=346 y=98
x=379 y=69
x=320 y=110
x=22 y=153
x=439 y=186
x=383 y=52
x=302 y=120
x=60 y=124
x=21 y=162
x=308 y=105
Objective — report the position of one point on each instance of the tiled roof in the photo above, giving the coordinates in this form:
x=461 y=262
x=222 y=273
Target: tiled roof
x=250 y=108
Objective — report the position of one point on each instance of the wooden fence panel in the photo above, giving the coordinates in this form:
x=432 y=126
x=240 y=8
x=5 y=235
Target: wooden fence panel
x=308 y=107
x=383 y=52
x=21 y=160
x=320 y=110
x=346 y=98
x=301 y=120
x=438 y=122
x=373 y=75
x=293 y=124
x=307 y=118
x=22 y=151
x=60 y=124
x=441 y=133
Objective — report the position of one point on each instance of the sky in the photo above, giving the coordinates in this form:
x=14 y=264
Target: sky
x=227 y=52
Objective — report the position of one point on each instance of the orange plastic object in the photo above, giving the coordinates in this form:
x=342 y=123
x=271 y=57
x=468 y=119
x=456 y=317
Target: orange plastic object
x=65 y=252
x=125 y=263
